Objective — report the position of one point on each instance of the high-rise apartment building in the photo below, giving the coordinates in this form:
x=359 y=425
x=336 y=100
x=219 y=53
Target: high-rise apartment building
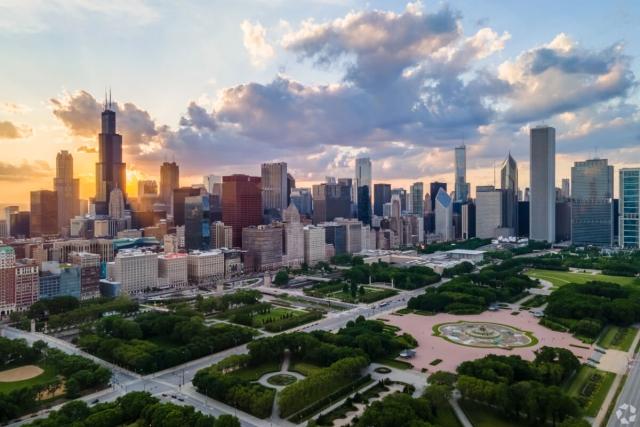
x=221 y=235
x=241 y=204
x=542 y=178
x=301 y=197
x=331 y=200
x=263 y=246
x=169 y=181
x=629 y=217
x=592 y=203
x=381 y=195
x=68 y=191
x=293 y=237
x=89 y=265
x=274 y=186
x=314 y=245
x=7 y=280
x=44 y=213
x=197 y=223
x=461 y=187
x=110 y=170
x=416 y=193
x=27 y=283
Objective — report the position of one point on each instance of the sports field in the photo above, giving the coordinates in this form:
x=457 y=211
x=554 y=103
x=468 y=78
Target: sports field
x=25 y=376
x=560 y=278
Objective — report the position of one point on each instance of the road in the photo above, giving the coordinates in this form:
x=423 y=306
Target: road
x=625 y=413
x=174 y=384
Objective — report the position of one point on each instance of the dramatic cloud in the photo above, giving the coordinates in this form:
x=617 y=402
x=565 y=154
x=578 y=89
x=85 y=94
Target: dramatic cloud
x=80 y=112
x=24 y=171
x=87 y=149
x=560 y=77
x=254 y=40
x=9 y=130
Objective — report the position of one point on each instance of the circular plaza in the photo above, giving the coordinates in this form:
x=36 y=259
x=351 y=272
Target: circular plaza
x=484 y=334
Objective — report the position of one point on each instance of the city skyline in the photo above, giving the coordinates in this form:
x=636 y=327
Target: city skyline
x=599 y=108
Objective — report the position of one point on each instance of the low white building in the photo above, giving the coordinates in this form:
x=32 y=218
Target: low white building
x=172 y=270
x=135 y=270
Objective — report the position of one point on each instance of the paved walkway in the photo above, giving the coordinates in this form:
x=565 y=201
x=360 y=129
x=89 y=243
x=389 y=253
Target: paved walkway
x=462 y=417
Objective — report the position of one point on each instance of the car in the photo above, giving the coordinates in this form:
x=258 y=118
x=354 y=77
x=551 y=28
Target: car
x=173 y=396
x=164 y=394
x=181 y=399
x=94 y=401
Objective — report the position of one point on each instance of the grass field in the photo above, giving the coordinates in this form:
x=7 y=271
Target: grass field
x=561 y=278
x=275 y=313
x=305 y=369
x=254 y=373
x=579 y=382
x=447 y=418
x=483 y=416
x=48 y=375
x=617 y=338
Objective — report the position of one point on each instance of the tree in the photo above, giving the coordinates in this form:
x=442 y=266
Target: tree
x=282 y=278
x=398 y=409
x=361 y=290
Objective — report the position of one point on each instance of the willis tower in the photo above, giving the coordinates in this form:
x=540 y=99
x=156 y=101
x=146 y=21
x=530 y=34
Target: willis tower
x=110 y=171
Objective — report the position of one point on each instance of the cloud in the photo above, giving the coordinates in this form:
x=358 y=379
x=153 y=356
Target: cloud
x=9 y=130
x=254 y=40
x=87 y=149
x=80 y=113
x=561 y=77
x=13 y=108
x=24 y=171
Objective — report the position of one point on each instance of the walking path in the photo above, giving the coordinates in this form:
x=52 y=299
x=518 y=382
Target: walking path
x=462 y=417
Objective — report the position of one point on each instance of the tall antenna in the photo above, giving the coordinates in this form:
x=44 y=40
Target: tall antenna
x=110 y=105
x=494 y=174
x=105 y=98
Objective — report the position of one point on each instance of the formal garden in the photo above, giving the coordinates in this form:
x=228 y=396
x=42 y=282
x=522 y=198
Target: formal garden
x=247 y=308
x=332 y=366
x=154 y=341
x=351 y=293
x=35 y=376
x=132 y=409
x=408 y=278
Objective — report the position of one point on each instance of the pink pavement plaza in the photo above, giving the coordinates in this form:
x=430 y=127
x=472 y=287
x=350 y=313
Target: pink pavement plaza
x=432 y=347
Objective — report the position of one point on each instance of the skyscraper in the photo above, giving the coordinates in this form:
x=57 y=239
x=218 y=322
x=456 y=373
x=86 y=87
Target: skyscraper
x=509 y=185
x=110 y=170
x=629 y=219
x=68 y=191
x=461 y=186
x=381 y=195
x=364 y=204
x=169 y=181
x=274 y=186
x=363 y=177
x=434 y=187
x=147 y=194
x=293 y=237
x=444 y=215
x=116 y=204
x=197 y=223
x=416 y=192
x=566 y=188
x=241 y=204
x=44 y=213
x=489 y=211
x=331 y=201
x=592 y=203
x=301 y=197
x=178 y=202
x=542 y=178
x=7 y=280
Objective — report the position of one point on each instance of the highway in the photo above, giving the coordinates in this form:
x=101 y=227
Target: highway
x=625 y=413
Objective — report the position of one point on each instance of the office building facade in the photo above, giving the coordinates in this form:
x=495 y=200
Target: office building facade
x=629 y=208
x=542 y=178
x=274 y=186
x=241 y=204
x=110 y=169
x=461 y=187
x=44 y=214
x=592 y=203
x=381 y=195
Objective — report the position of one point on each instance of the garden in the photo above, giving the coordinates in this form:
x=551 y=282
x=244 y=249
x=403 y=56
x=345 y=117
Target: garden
x=132 y=409
x=351 y=293
x=561 y=278
x=35 y=376
x=155 y=340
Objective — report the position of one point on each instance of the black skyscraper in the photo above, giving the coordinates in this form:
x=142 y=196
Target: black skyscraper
x=433 y=188
x=364 y=204
x=110 y=171
x=381 y=195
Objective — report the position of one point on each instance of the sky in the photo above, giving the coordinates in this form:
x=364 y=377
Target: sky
x=223 y=86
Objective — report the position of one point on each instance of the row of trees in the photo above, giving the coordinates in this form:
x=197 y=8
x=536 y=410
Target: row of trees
x=403 y=278
x=75 y=372
x=524 y=390
x=303 y=393
x=227 y=301
x=155 y=341
x=585 y=309
x=85 y=312
x=136 y=408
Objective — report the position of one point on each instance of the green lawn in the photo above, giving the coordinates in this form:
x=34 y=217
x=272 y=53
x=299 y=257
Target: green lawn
x=617 y=338
x=305 y=369
x=579 y=382
x=560 y=278
x=393 y=363
x=483 y=416
x=254 y=373
x=447 y=418
x=48 y=375
x=275 y=313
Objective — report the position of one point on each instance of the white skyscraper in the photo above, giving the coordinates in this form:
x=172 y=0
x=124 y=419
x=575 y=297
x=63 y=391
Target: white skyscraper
x=274 y=186
x=363 y=177
x=135 y=270
x=314 y=245
x=293 y=237
x=461 y=186
x=489 y=214
x=444 y=215
x=542 y=180
x=116 y=204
